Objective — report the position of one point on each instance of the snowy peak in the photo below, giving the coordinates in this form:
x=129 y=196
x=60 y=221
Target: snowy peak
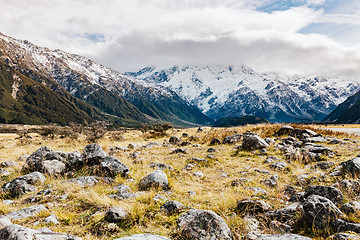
x=103 y=87
x=223 y=91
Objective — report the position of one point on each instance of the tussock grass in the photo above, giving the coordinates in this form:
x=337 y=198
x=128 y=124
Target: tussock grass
x=82 y=212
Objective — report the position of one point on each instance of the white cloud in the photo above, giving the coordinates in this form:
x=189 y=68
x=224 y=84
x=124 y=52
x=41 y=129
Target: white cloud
x=129 y=34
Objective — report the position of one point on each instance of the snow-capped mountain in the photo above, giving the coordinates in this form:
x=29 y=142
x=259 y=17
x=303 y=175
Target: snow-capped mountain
x=100 y=86
x=224 y=91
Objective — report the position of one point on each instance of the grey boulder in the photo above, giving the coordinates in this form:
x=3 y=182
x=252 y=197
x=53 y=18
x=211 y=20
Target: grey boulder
x=253 y=142
x=331 y=193
x=146 y=236
x=116 y=214
x=203 y=225
x=26 y=212
x=113 y=167
x=23 y=184
x=156 y=179
x=320 y=211
x=93 y=154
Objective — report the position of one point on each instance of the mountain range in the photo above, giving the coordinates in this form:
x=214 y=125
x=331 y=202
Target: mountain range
x=228 y=91
x=83 y=90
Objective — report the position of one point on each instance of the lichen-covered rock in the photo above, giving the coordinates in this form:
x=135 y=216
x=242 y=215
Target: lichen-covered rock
x=113 y=167
x=232 y=139
x=285 y=236
x=279 y=166
x=215 y=141
x=23 y=184
x=351 y=207
x=331 y=193
x=340 y=225
x=116 y=214
x=252 y=207
x=284 y=130
x=352 y=167
x=253 y=142
x=161 y=166
x=26 y=212
x=34 y=161
x=84 y=181
x=320 y=211
x=156 y=179
x=146 y=236
x=174 y=140
x=287 y=214
x=54 y=167
x=93 y=154
x=171 y=207
x=203 y=225
x=17 y=232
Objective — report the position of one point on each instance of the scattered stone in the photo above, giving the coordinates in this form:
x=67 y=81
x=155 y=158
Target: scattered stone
x=340 y=225
x=113 y=167
x=203 y=225
x=279 y=166
x=253 y=142
x=53 y=168
x=132 y=146
x=151 y=145
x=199 y=175
x=215 y=141
x=279 y=227
x=7 y=202
x=285 y=236
x=233 y=139
x=85 y=181
x=180 y=150
x=52 y=219
x=199 y=130
x=185 y=135
x=159 y=198
x=4 y=221
x=157 y=179
x=4 y=172
x=240 y=182
x=271 y=182
x=93 y=154
x=252 y=207
x=211 y=150
x=261 y=171
x=7 y=164
x=331 y=193
x=351 y=207
x=271 y=159
x=34 y=161
x=186 y=143
x=189 y=166
x=161 y=166
x=172 y=207
x=270 y=141
x=345 y=236
x=191 y=192
x=17 y=232
x=284 y=130
x=115 y=215
x=174 y=140
x=145 y=236
x=134 y=155
x=252 y=223
x=352 y=167
x=197 y=160
x=319 y=211
x=324 y=165
x=257 y=191
x=26 y=212
x=23 y=184
x=287 y=214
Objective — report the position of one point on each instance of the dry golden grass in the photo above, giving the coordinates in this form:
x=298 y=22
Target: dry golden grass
x=82 y=213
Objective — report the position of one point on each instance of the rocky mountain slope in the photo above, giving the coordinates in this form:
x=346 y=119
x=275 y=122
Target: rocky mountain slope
x=236 y=91
x=23 y=100
x=346 y=112
x=98 y=85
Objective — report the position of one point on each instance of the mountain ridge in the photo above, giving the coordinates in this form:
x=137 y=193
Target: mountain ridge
x=100 y=86
x=226 y=91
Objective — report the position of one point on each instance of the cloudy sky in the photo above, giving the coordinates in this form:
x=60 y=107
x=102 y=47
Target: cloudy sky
x=290 y=36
